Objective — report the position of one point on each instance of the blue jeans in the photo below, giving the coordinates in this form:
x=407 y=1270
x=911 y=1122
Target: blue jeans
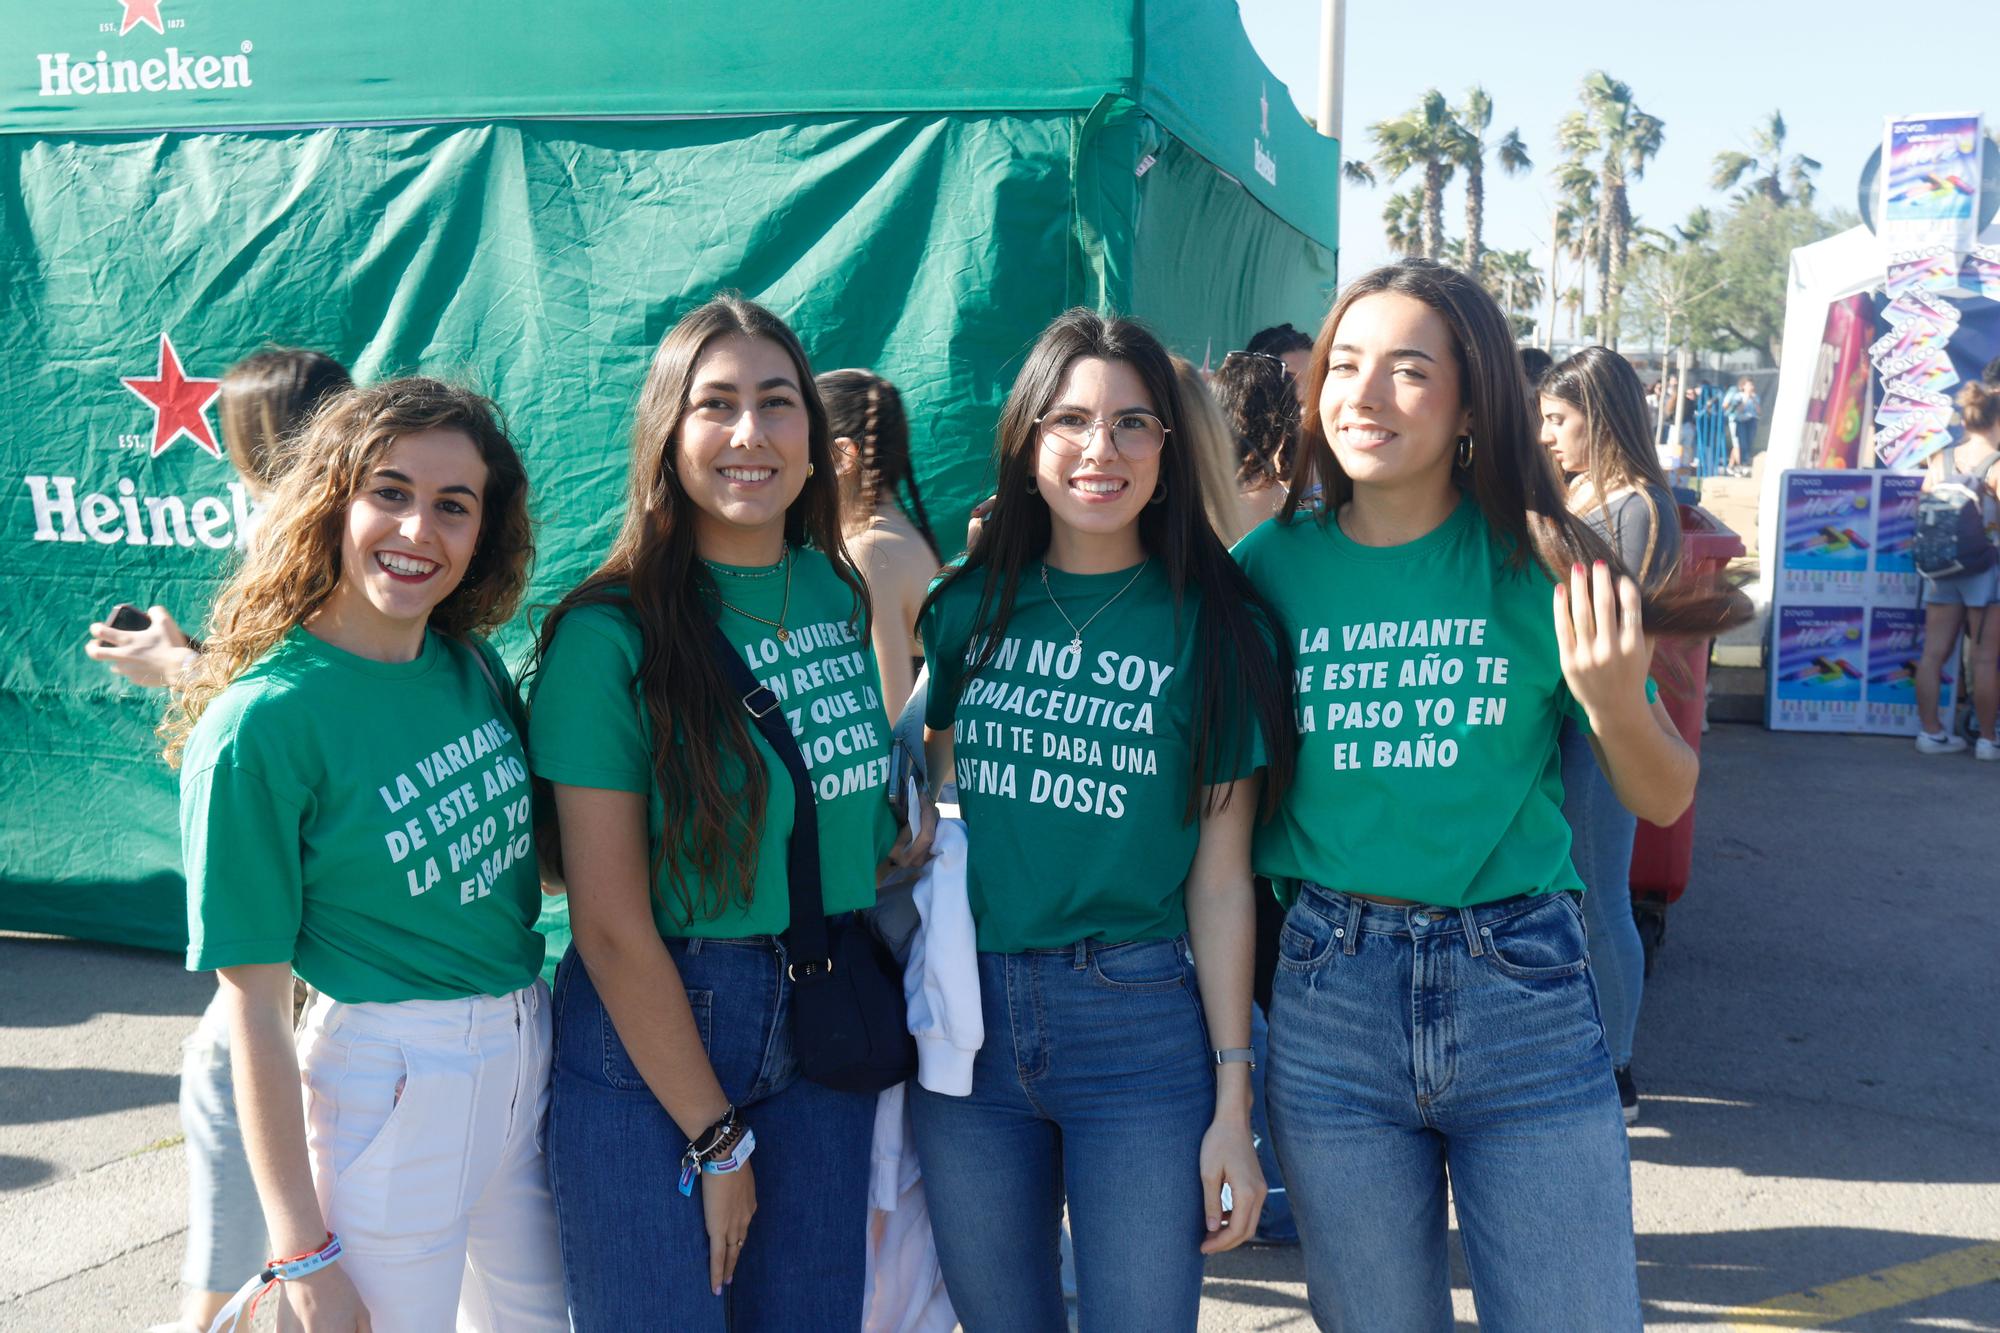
x=634 y=1251
x=1409 y=1045
x=225 y=1242
x=1601 y=833
x=1095 y=1083
x=1276 y=1226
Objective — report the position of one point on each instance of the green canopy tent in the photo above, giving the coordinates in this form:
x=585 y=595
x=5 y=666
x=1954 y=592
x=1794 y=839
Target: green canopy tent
x=526 y=200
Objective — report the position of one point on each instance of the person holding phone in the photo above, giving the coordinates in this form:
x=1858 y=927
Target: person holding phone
x=355 y=809
x=265 y=398
x=700 y=1182
x=1107 y=692
x=1432 y=1018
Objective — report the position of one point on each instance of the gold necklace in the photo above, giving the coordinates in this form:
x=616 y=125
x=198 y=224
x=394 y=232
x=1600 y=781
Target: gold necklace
x=783 y=607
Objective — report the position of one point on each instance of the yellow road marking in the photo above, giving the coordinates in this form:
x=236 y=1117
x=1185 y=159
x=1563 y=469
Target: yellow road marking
x=1815 y=1307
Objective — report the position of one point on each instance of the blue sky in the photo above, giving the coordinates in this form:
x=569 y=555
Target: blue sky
x=1711 y=70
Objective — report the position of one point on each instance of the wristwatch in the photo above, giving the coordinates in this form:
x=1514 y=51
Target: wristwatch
x=1236 y=1055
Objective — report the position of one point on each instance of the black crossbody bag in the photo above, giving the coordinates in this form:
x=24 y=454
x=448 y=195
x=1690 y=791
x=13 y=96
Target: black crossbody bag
x=850 y=1029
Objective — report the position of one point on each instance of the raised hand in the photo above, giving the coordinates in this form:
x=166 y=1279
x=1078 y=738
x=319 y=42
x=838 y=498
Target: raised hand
x=1601 y=641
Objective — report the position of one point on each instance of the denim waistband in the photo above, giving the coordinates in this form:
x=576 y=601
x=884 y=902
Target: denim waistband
x=1422 y=919
x=420 y=1020
x=763 y=943
x=1081 y=952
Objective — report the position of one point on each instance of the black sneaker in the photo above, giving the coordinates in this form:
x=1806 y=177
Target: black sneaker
x=1628 y=1093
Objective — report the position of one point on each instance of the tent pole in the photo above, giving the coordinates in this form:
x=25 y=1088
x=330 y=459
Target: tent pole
x=1332 y=55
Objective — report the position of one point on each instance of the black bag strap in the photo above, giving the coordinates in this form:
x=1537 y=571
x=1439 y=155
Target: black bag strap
x=805 y=938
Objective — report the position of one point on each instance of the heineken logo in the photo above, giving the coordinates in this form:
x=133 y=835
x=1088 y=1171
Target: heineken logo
x=173 y=70
x=179 y=402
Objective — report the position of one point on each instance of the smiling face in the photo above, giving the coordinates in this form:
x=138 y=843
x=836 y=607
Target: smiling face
x=1391 y=405
x=745 y=444
x=1564 y=435
x=1098 y=493
x=410 y=533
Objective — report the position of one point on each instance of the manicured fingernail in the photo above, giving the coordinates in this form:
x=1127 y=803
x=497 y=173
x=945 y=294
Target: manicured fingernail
x=1576 y=568
x=718 y=1291
x=1214 y=1225
x=729 y=1280
x=1602 y=565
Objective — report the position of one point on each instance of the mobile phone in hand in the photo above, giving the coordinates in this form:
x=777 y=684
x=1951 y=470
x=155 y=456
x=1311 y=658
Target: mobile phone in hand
x=125 y=616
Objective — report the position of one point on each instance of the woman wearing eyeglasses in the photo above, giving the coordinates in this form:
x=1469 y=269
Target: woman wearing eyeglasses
x=1107 y=691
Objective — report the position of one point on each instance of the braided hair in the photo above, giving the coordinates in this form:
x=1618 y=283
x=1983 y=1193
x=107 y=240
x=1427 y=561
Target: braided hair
x=865 y=408
x=1254 y=391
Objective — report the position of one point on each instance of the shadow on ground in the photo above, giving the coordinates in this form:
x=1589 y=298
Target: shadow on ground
x=48 y=983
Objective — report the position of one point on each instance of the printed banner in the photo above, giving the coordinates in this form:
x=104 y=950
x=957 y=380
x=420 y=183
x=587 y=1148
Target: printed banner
x=1894 y=571
x=1819 y=665
x=1930 y=184
x=1828 y=528
x=1841 y=381
x=1889 y=697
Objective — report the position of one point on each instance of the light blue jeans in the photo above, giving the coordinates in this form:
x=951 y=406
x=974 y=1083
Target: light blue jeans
x=1095 y=1083
x=225 y=1240
x=1414 y=1045
x=1601 y=832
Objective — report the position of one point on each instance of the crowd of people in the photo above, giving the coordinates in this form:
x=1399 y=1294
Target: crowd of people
x=1279 y=718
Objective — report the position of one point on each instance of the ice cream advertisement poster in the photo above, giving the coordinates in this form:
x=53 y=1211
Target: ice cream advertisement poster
x=1821 y=654
x=1896 y=578
x=1889 y=693
x=1828 y=530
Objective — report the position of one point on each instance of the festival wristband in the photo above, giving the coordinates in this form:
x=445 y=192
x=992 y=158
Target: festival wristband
x=738 y=1156
x=239 y=1312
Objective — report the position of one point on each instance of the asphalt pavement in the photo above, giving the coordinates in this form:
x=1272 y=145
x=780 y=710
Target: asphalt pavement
x=1819 y=1147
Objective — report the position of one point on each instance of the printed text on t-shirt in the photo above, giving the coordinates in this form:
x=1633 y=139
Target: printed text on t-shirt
x=461 y=777
x=1339 y=689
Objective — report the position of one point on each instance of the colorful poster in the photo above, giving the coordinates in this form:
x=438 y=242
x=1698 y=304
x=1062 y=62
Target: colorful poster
x=1895 y=572
x=1889 y=695
x=1840 y=386
x=1930 y=183
x=1817 y=674
x=1828 y=528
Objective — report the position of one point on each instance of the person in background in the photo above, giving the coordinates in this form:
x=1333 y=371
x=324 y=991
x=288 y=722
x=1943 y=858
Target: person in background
x=1108 y=869
x=1535 y=363
x=1740 y=406
x=1968 y=600
x=344 y=667
x=1208 y=438
x=1258 y=394
x=1594 y=425
x=1433 y=1020
x=888 y=534
x=265 y=399
x=1289 y=346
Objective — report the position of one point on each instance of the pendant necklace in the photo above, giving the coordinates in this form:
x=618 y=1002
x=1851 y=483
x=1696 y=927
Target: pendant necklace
x=1076 y=630
x=784 y=634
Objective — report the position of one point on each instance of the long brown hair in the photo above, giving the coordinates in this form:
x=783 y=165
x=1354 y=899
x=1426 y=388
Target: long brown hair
x=863 y=407
x=1511 y=476
x=295 y=564
x=266 y=399
x=1245 y=679
x=712 y=783
x=1605 y=392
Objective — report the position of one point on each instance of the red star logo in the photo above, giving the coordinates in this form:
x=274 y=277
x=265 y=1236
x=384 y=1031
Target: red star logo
x=180 y=402
x=141 y=11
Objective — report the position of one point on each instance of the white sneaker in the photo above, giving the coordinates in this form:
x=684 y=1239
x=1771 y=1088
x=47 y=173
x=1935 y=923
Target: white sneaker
x=1942 y=743
x=1987 y=751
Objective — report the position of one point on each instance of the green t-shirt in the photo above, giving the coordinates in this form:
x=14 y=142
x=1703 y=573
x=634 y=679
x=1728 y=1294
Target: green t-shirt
x=1429 y=696
x=367 y=822
x=1072 y=766
x=586 y=729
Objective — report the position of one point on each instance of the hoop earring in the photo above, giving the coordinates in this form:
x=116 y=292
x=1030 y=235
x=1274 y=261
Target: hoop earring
x=809 y=471
x=1159 y=495
x=1465 y=451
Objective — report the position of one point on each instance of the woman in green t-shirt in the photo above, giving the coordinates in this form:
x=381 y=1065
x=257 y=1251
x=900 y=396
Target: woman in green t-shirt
x=1105 y=692
x=1432 y=1016
x=355 y=809
x=674 y=1056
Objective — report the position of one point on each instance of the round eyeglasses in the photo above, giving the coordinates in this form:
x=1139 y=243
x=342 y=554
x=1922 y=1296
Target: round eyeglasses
x=1135 y=435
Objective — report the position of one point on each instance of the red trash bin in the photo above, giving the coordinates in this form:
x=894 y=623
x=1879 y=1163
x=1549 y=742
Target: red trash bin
x=1662 y=858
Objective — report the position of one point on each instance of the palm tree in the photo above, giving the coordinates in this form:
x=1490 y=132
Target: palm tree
x=1355 y=171
x=1475 y=117
x=1514 y=277
x=1575 y=231
x=1424 y=139
x=1768 y=170
x=1612 y=128
x=1403 y=222
x=1572 y=301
